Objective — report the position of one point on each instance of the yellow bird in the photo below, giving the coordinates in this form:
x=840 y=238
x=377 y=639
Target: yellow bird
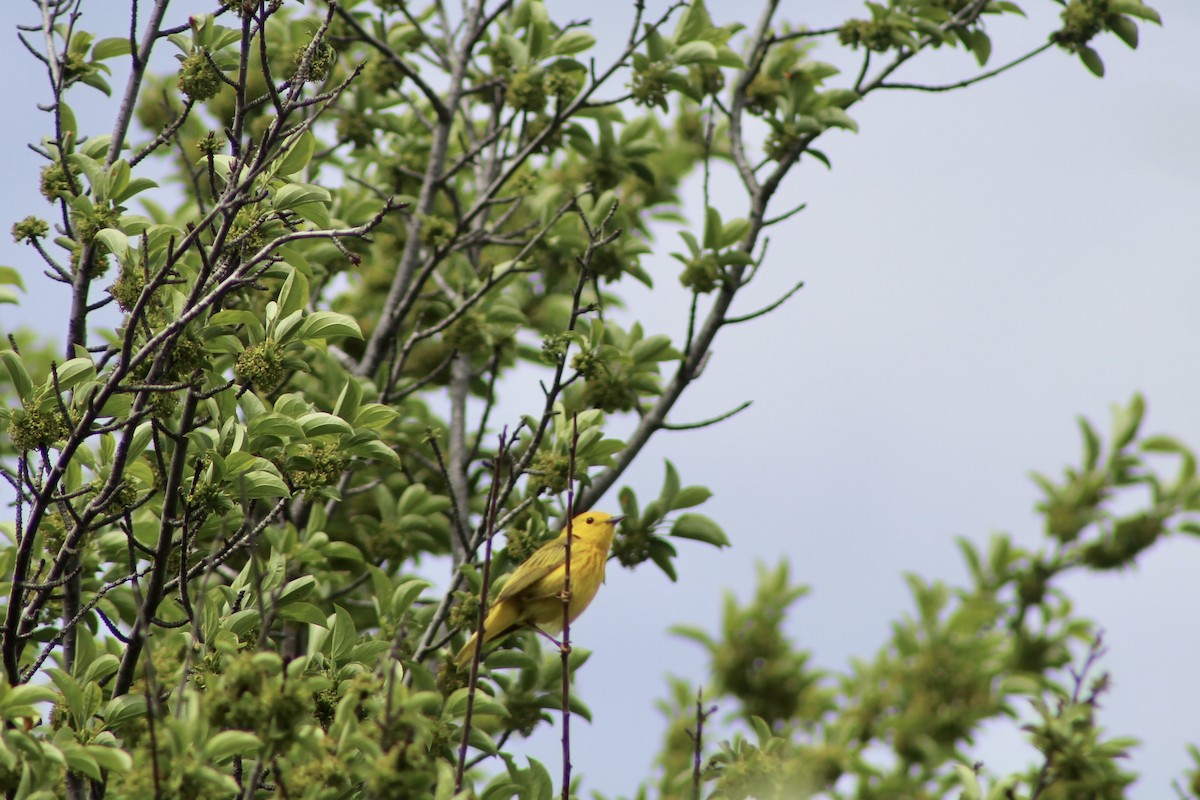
x=533 y=594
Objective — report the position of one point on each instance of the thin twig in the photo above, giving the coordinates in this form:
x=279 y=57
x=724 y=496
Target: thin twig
x=947 y=87
x=480 y=630
x=698 y=741
x=691 y=426
x=565 y=648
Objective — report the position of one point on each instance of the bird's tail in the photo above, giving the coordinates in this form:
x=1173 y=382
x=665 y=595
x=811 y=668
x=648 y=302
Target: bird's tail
x=500 y=619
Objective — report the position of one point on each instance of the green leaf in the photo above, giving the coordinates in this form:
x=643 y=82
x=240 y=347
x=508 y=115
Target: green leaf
x=761 y=730
x=820 y=156
x=697 y=52
x=318 y=423
x=11 y=277
x=370 y=448
x=134 y=186
x=110 y=48
x=1021 y=684
x=699 y=528
x=1126 y=29
x=1091 y=60
x=122 y=709
x=277 y=425
x=293 y=296
x=71 y=693
x=327 y=325
x=656 y=48
x=510 y=659
x=542 y=786
x=734 y=231
x=116 y=242
x=661 y=554
x=17 y=372
x=405 y=595
x=728 y=57
x=1163 y=444
x=693 y=245
x=295 y=195
x=111 y=758
x=969 y=781
x=836 y=118
x=28 y=694
x=304 y=612
x=260 y=484
x=342 y=550
x=349 y=399
x=74 y=372
x=298 y=155
x=712 y=228
x=100 y=669
x=456 y=704
x=1006 y=787
x=670 y=488
x=21 y=702
x=695 y=634
x=342 y=635
x=840 y=98
x=241 y=622
x=654 y=348
x=375 y=416
x=227 y=744
x=689 y=497
x=1134 y=8
x=1127 y=421
x=572 y=42
x=980 y=44
x=553 y=701
x=92 y=169
x=79 y=760
x=297 y=589
x=481 y=741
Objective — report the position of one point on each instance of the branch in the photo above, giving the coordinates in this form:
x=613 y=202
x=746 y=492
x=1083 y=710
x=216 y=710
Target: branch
x=969 y=81
x=788 y=37
x=439 y=108
x=766 y=309
x=564 y=648
x=489 y=526
x=713 y=421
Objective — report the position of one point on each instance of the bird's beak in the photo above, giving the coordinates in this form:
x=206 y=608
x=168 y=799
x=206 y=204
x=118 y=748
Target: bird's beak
x=615 y=520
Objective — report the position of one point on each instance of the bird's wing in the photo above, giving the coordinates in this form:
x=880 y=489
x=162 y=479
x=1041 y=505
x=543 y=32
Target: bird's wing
x=546 y=559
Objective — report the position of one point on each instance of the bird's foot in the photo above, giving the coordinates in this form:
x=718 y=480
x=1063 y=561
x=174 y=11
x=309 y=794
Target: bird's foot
x=551 y=639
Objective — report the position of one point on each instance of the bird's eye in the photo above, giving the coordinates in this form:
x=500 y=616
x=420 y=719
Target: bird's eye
x=590 y=520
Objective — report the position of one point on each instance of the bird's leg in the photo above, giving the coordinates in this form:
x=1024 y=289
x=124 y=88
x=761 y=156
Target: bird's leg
x=556 y=642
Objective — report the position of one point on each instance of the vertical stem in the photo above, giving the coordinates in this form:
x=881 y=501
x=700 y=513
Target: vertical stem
x=161 y=561
x=456 y=470
x=565 y=649
x=81 y=280
x=493 y=496
x=698 y=741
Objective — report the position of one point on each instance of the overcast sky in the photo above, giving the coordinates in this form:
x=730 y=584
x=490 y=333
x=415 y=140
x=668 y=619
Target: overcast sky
x=980 y=267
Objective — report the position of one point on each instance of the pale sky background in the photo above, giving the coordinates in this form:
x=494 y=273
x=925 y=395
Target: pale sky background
x=981 y=266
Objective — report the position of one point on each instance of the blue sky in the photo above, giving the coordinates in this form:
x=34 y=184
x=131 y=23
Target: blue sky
x=980 y=267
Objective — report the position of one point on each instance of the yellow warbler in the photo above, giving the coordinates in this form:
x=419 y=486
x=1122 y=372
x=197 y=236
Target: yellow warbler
x=533 y=594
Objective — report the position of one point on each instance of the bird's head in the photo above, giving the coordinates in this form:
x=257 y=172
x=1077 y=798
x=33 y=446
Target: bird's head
x=595 y=526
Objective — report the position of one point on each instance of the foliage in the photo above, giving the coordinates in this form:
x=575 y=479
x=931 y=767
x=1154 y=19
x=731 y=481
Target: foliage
x=282 y=369
x=1007 y=647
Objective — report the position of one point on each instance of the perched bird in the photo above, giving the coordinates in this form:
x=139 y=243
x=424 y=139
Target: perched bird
x=533 y=594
